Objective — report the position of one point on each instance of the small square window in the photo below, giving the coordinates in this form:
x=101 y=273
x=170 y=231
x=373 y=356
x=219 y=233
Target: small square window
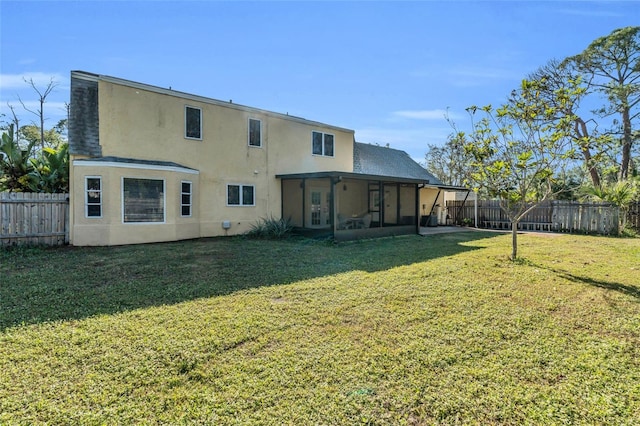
x=193 y=123
x=255 y=132
x=240 y=195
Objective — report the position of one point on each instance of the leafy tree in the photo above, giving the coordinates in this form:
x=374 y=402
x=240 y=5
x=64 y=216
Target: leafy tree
x=15 y=164
x=621 y=194
x=50 y=171
x=563 y=88
x=450 y=162
x=611 y=65
x=518 y=152
x=31 y=157
x=52 y=138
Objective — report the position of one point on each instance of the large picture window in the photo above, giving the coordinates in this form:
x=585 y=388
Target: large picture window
x=255 y=132
x=185 y=199
x=240 y=195
x=143 y=200
x=192 y=123
x=322 y=144
x=93 y=196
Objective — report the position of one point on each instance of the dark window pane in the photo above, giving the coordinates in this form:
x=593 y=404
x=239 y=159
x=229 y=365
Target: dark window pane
x=193 y=119
x=328 y=145
x=254 y=132
x=143 y=200
x=186 y=187
x=94 y=210
x=233 y=195
x=186 y=210
x=186 y=198
x=317 y=143
x=93 y=197
x=247 y=195
x=93 y=184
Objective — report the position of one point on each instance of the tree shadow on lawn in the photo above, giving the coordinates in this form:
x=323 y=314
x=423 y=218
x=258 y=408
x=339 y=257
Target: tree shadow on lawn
x=620 y=288
x=625 y=289
x=40 y=285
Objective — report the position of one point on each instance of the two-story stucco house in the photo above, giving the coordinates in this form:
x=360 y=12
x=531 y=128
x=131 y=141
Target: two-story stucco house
x=150 y=164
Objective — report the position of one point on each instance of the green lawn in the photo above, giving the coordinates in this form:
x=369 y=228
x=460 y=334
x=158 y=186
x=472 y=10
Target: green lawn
x=412 y=330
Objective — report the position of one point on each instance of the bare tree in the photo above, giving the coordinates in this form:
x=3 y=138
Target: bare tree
x=42 y=98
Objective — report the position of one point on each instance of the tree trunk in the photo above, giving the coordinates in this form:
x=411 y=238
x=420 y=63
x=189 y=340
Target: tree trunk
x=582 y=132
x=626 y=143
x=514 y=240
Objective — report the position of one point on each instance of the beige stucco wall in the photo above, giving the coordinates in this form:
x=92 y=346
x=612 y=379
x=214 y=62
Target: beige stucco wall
x=110 y=229
x=429 y=196
x=352 y=197
x=143 y=123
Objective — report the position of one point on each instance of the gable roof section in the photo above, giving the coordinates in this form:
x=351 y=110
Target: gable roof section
x=382 y=161
x=91 y=77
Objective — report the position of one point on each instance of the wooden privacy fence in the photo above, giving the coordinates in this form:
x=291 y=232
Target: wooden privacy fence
x=556 y=215
x=27 y=218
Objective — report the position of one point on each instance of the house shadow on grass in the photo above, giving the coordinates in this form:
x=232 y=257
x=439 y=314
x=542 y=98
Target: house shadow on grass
x=40 y=285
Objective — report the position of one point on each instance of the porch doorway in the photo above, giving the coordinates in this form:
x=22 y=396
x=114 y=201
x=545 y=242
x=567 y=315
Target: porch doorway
x=319 y=213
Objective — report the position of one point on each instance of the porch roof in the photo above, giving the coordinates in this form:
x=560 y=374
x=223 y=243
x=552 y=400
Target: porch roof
x=338 y=176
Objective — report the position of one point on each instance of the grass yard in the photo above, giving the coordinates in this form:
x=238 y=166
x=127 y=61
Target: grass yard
x=400 y=331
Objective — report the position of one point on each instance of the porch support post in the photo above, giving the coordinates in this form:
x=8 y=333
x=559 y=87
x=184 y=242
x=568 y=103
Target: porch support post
x=417 y=209
x=434 y=202
x=281 y=198
x=304 y=198
x=398 y=218
x=382 y=200
x=458 y=219
x=332 y=208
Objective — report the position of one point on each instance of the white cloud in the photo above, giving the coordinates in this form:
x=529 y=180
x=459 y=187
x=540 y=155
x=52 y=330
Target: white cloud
x=430 y=114
x=478 y=76
x=40 y=79
x=591 y=13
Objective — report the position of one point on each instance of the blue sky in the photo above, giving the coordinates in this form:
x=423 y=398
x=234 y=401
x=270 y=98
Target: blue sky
x=388 y=70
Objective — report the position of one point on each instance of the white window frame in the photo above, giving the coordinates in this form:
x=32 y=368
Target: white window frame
x=249 y=120
x=240 y=200
x=324 y=134
x=86 y=197
x=186 y=108
x=164 y=200
x=182 y=194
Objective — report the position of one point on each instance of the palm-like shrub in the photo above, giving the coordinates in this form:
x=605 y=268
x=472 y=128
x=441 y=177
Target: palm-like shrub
x=15 y=163
x=271 y=228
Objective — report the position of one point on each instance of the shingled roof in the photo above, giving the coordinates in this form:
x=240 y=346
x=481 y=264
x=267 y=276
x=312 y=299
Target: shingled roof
x=383 y=161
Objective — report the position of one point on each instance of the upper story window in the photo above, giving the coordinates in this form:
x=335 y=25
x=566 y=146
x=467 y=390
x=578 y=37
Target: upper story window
x=93 y=198
x=322 y=144
x=255 y=132
x=192 y=122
